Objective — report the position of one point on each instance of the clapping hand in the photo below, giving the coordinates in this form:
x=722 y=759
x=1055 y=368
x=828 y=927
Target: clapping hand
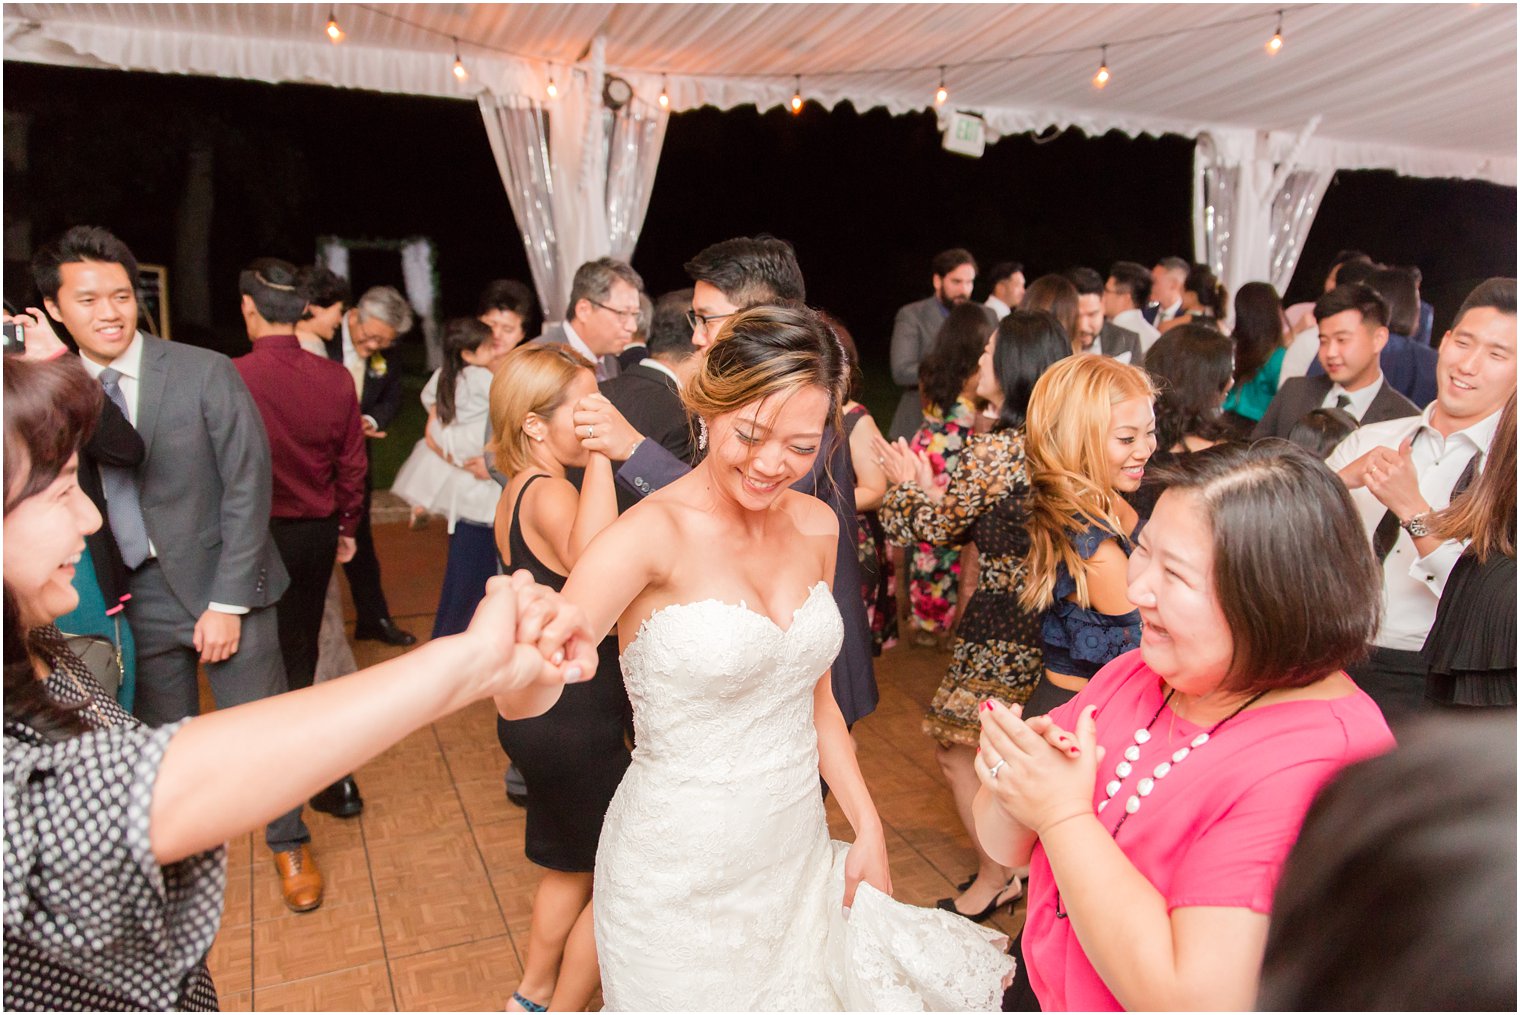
x=1047 y=774
x=904 y=465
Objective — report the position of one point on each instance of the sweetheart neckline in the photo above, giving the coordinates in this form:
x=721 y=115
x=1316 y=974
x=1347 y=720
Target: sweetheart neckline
x=740 y=606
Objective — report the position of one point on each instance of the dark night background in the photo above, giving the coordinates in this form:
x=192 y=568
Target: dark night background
x=866 y=198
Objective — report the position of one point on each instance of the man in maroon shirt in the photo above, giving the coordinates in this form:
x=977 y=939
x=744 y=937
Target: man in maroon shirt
x=316 y=444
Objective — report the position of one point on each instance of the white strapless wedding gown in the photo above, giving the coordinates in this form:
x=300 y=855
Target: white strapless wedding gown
x=717 y=887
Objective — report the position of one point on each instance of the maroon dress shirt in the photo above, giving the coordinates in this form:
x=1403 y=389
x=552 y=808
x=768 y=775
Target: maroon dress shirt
x=316 y=442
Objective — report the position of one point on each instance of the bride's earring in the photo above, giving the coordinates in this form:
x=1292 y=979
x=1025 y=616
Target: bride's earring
x=701 y=434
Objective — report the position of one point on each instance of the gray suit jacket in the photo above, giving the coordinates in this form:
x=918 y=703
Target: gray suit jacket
x=206 y=479
x=1117 y=341
x=608 y=366
x=913 y=334
x=1300 y=395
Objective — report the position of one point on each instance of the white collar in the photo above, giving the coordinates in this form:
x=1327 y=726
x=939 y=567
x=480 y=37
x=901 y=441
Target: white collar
x=1480 y=435
x=128 y=364
x=578 y=345
x=998 y=305
x=654 y=364
x=1362 y=398
x=349 y=352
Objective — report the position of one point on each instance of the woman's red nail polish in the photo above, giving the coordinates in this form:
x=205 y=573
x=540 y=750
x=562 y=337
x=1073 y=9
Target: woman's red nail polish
x=986 y=706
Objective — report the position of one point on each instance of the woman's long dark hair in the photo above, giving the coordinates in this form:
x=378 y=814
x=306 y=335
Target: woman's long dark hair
x=1028 y=343
x=1204 y=284
x=1258 y=328
x=952 y=359
x=460 y=335
x=50 y=411
x=1191 y=366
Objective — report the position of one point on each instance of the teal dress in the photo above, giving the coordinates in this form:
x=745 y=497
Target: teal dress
x=1252 y=398
x=90 y=617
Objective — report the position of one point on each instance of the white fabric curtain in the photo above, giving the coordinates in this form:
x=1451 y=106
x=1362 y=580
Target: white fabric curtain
x=1293 y=209
x=518 y=129
x=334 y=257
x=578 y=175
x=417 y=264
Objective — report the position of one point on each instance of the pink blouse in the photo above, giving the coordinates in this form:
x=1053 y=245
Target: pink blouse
x=1216 y=830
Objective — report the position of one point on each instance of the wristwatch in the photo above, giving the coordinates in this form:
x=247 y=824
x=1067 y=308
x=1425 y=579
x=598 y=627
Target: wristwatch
x=1416 y=526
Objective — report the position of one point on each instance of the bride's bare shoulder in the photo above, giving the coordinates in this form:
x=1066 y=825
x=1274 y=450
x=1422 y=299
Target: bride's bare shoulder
x=812 y=516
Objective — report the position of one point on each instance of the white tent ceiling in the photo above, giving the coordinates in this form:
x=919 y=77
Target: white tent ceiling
x=1423 y=89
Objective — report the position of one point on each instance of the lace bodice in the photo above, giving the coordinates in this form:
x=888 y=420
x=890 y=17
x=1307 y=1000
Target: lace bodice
x=717 y=887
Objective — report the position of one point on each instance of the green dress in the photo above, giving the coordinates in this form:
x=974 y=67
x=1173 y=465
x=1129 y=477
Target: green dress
x=1252 y=398
x=90 y=617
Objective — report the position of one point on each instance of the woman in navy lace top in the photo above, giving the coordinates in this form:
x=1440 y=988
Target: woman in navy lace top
x=1090 y=430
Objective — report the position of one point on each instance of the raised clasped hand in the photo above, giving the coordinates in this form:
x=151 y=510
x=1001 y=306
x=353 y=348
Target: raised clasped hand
x=524 y=633
x=601 y=427
x=1048 y=773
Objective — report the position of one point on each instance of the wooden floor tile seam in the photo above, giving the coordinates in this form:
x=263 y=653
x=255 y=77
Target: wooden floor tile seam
x=480 y=853
x=369 y=863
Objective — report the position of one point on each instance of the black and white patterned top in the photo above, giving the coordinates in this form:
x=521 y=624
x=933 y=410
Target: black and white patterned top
x=92 y=920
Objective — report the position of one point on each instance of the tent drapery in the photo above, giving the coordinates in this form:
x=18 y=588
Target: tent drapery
x=579 y=178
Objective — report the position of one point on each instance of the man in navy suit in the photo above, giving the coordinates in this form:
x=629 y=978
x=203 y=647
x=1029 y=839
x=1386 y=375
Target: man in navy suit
x=368 y=329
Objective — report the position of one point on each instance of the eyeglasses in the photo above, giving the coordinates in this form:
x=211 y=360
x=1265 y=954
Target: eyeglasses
x=705 y=324
x=623 y=315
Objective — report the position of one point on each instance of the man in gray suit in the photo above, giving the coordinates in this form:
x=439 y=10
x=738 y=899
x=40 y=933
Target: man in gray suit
x=1351 y=339
x=1093 y=333
x=603 y=315
x=917 y=325
x=192 y=521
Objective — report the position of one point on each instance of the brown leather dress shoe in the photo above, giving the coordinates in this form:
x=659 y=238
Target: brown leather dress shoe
x=300 y=880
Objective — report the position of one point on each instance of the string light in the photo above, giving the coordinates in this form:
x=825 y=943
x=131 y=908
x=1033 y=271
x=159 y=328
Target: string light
x=552 y=90
x=664 y=94
x=942 y=94
x=459 y=71
x=797 y=96
x=1101 y=78
x=333 y=31
x=1276 y=42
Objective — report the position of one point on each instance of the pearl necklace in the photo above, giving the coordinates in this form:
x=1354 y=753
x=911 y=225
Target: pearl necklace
x=1147 y=784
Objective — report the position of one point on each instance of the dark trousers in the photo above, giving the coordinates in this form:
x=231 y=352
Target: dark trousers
x=472 y=562
x=308 y=547
x=1396 y=681
x=363 y=572
x=167 y=690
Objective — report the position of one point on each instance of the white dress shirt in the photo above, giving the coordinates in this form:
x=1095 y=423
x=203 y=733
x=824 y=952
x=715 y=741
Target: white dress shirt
x=129 y=365
x=1361 y=399
x=1135 y=321
x=998 y=307
x=579 y=345
x=654 y=364
x=1301 y=354
x=357 y=368
x=1412 y=584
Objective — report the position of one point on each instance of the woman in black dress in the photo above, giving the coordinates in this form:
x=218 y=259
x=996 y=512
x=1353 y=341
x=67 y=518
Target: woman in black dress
x=1190 y=366
x=574 y=755
x=1471 y=646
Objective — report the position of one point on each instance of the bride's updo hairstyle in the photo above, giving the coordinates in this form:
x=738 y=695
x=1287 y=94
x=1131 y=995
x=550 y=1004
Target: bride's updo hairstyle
x=765 y=350
x=531 y=378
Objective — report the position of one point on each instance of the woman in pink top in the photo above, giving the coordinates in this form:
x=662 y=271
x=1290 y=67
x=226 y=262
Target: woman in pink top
x=1156 y=808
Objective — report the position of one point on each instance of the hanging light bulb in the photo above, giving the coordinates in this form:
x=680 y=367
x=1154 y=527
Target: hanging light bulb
x=797 y=96
x=333 y=31
x=1275 y=43
x=943 y=93
x=1101 y=78
x=664 y=95
x=552 y=90
x=459 y=71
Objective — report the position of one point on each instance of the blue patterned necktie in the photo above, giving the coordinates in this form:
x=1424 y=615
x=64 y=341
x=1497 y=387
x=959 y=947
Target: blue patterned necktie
x=123 y=502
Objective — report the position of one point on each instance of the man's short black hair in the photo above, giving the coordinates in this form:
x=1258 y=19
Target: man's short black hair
x=1003 y=270
x=669 y=331
x=272 y=285
x=1087 y=281
x=750 y=270
x=81 y=243
x=1495 y=293
x=1355 y=273
x=323 y=287
x=947 y=261
x=1364 y=299
x=1134 y=278
x=513 y=296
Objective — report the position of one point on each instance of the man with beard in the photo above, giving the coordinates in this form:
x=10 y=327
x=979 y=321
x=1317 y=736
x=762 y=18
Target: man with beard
x=1093 y=333
x=954 y=273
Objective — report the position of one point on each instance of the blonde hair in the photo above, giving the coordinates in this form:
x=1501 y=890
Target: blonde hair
x=532 y=378
x=1070 y=479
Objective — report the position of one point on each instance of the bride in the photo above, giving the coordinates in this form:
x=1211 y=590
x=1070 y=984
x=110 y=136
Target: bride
x=716 y=884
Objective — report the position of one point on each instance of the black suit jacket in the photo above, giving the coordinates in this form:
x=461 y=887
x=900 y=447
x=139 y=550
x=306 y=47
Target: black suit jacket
x=381 y=399
x=1299 y=396
x=648 y=398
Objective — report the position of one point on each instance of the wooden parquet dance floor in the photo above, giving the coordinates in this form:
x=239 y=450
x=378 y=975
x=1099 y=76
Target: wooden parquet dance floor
x=428 y=894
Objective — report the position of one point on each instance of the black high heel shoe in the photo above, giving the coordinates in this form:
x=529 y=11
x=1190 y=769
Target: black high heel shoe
x=999 y=900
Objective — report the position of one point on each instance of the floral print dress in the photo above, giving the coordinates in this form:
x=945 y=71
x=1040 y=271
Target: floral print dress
x=934 y=572
x=996 y=649
x=878 y=580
